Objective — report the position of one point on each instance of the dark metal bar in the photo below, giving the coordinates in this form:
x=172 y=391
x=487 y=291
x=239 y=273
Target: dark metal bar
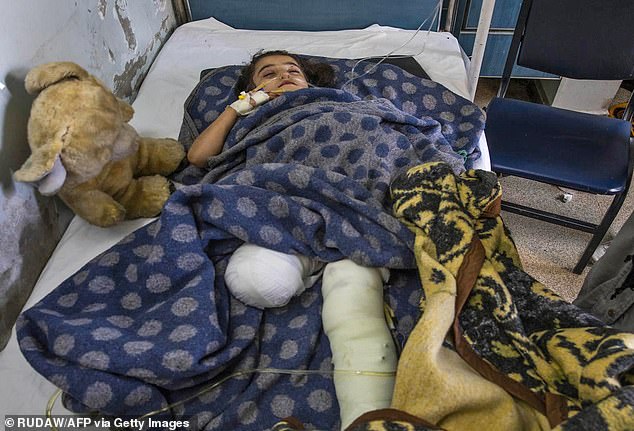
x=629 y=109
x=549 y=217
x=459 y=18
x=514 y=48
x=600 y=232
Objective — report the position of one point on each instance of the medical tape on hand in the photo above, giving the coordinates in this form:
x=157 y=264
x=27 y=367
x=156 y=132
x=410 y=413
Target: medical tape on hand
x=244 y=106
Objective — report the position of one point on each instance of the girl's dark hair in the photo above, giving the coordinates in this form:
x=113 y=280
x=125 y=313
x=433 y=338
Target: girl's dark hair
x=317 y=74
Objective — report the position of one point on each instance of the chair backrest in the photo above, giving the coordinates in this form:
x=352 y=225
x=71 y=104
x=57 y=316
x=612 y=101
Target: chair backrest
x=579 y=39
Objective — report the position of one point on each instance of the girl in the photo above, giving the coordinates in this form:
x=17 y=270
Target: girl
x=258 y=276
x=352 y=311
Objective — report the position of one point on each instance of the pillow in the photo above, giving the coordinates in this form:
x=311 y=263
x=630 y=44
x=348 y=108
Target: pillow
x=412 y=93
x=407 y=63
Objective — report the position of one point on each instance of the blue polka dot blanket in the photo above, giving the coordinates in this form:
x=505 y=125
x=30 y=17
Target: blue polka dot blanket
x=148 y=328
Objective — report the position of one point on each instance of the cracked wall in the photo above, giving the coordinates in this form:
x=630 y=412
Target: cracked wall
x=116 y=40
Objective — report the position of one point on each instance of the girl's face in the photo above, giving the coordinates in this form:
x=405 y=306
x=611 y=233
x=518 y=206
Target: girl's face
x=279 y=73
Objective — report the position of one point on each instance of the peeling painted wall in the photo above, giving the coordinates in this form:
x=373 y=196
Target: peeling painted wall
x=116 y=40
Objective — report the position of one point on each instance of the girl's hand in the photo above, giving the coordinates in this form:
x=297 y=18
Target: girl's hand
x=247 y=104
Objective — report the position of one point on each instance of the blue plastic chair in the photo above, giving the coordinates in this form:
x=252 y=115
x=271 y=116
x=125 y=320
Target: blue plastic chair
x=579 y=39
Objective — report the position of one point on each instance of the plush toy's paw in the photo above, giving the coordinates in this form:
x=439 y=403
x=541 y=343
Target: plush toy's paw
x=148 y=197
x=159 y=156
x=95 y=206
x=107 y=216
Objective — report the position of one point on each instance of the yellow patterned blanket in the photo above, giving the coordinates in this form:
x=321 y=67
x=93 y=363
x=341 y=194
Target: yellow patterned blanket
x=541 y=363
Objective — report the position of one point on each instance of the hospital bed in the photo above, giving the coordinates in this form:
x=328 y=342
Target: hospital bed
x=195 y=47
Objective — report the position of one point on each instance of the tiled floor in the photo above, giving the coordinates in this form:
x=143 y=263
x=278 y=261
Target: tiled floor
x=523 y=89
x=549 y=252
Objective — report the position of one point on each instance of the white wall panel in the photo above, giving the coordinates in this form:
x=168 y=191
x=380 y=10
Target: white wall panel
x=116 y=40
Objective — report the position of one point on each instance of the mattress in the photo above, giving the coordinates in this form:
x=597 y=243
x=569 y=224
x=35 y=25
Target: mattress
x=194 y=47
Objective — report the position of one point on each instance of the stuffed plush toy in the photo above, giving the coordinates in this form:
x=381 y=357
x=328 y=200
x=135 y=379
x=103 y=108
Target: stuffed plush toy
x=84 y=150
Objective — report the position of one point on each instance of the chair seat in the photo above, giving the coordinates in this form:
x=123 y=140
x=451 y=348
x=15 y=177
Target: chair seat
x=540 y=142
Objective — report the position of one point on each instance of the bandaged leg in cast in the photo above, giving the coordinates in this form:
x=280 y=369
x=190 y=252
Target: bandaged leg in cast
x=354 y=321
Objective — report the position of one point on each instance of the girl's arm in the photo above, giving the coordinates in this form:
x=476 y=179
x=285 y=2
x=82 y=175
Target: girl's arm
x=210 y=142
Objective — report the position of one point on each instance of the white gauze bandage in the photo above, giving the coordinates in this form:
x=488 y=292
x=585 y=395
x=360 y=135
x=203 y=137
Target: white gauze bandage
x=265 y=278
x=354 y=321
x=249 y=101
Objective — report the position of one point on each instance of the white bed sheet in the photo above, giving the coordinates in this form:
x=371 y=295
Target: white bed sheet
x=159 y=111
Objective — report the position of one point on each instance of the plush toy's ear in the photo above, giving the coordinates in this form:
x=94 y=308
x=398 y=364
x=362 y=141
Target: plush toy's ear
x=48 y=74
x=127 y=111
x=125 y=144
x=54 y=180
x=43 y=163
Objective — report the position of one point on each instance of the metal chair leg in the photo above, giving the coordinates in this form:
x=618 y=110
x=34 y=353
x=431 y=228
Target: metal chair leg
x=600 y=231
x=609 y=215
